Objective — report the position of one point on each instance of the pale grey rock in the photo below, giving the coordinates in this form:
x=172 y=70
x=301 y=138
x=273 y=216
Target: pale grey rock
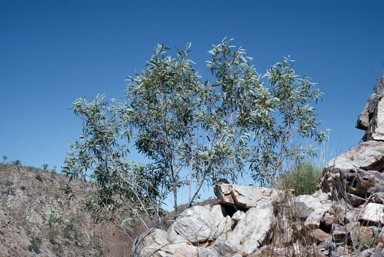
x=243 y=196
x=224 y=227
x=208 y=207
x=249 y=233
x=154 y=251
x=351 y=216
x=178 y=250
x=306 y=204
x=216 y=210
x=314 y=219
x=373 y=212
x=154 y=238
x=226 y=247
x=358 y=171
x=196 y=224
x=339 y=234
x=238 y=215
x=367 y=252
x=321 y=196
x=367 y=156
x=174 y=238
x=378 y=253
x=171 y=233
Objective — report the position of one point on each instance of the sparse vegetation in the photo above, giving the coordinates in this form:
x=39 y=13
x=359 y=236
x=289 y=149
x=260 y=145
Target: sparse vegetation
x=362 y=242
x=35 y=245
x=38 y=177
x=304 y=179
x=15 y=215
x=8 y=183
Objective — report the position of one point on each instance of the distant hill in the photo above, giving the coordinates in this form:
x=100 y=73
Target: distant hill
x=26 y=193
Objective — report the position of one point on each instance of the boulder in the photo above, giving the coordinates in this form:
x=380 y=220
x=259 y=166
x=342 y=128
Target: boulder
x=238 y=215
x=339 y=234
x=179 y=250
x=306 y=204
x=223 y=228
x=217 y=211
x=320 y=235
x=155 y=238
x=249 y=233
x=243 y=196
x=373 y=213
x=358 y=171
x=314 y=219
x=195 y=224
x=367 y=112
x=328 y=220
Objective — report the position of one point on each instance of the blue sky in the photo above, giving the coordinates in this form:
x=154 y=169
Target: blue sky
x=53 y=51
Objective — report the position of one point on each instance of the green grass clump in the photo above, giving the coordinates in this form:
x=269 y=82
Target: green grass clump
x=303 y=179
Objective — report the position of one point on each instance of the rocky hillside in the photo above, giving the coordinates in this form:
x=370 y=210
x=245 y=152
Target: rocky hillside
x=26 y=194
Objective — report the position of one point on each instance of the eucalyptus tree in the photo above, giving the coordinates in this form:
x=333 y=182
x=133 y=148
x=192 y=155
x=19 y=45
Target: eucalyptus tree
x=190 y=131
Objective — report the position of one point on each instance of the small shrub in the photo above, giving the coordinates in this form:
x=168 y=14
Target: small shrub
x=38 y=177
x=23 y=188
x=8 y=183
x=303 y=179
x=34 y=246
x=67 y=232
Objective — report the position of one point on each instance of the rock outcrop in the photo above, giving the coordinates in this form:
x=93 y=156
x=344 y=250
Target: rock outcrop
x=344 y=218
x=269 y=223
x=358 y=173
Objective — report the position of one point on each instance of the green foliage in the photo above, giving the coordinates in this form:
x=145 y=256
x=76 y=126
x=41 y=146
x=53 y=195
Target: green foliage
x=335 y=209
x=292 y=120
x=67 y=231
x=363 y=242
x=55 y=216
x=4 y=158
x=17 y=163
x=191 y=130
x=8 y=183
x=303 y=179
x=45 y=166
x=38 y=177
x=35 y=245
x=23 y=188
